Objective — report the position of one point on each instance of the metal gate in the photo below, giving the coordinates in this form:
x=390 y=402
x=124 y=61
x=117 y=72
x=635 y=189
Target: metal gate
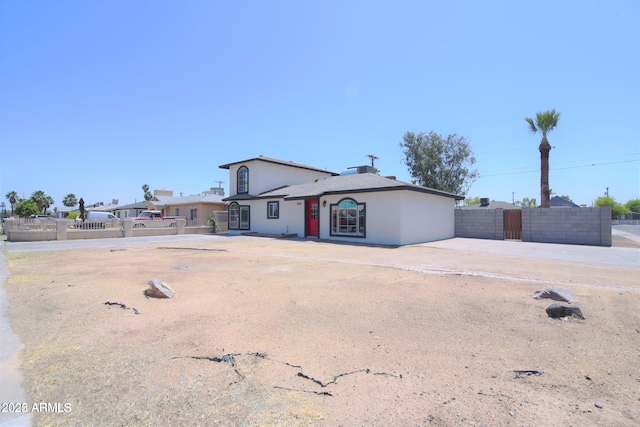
x=513 y=224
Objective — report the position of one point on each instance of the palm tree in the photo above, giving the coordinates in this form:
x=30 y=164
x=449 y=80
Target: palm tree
x=147 y=193
x=70 y=200
x=545 y=122
x=48 y=201
x=40 y=199
x=13 y=198
x=529 y=203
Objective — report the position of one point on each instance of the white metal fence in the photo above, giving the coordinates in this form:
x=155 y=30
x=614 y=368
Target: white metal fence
x=33 y=224
x=164 y=223
x=96 y=224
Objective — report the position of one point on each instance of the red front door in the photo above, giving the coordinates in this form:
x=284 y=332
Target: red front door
x=312 y=218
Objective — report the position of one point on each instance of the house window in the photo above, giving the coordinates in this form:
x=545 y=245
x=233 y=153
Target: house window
x=234 y=216
x=177 y=212
x=243 y=180
x=244 y=217
x=348 y=218
x=193 y=214
x=238 y=217
x=273 y=210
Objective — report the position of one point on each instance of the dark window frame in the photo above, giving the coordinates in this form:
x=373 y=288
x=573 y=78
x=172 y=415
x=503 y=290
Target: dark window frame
x=359 y=221
x=239 y=225
x=245 y=189
x=275 y=203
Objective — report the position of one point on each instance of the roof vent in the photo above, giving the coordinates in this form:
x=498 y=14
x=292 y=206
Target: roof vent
x=484 y=201
x=357 y=170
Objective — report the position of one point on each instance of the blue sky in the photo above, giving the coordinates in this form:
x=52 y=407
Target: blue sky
x=98 y=98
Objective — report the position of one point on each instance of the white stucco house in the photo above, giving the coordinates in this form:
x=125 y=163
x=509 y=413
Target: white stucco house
x=273 y=196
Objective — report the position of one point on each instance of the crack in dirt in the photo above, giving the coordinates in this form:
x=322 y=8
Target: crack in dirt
x=194 y=249
x=319 y=393
x=122 y=306
x=230 y=359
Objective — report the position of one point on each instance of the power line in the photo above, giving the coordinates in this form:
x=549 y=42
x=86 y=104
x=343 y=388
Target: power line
x=568 y=167
x=557 y=163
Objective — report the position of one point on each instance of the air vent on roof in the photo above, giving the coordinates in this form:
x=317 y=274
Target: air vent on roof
x=484 y=201
x=358 y=169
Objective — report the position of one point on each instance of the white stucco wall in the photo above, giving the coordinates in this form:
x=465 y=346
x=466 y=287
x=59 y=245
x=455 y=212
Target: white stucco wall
x=291 y=218
x=397 y=217
x=381 y=228
x=265 y=176
x=425 y=218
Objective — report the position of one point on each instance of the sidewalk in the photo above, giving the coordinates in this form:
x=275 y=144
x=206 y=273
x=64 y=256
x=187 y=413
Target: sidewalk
x=10 y=374
x=624 y=257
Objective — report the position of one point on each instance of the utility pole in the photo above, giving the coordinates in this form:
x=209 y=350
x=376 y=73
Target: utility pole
x=372 y=157
x=513 y=198
x=219 y=183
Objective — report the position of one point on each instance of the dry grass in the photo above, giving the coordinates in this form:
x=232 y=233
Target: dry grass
x=450 y=342
x=107 y=387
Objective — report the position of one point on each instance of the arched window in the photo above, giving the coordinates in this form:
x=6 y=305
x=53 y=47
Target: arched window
x=234 y=216
x=243 y=180
x=239 y=217
x=348 y=218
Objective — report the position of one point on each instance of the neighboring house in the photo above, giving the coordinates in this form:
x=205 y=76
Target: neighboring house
x=196 y=208
x=130 y=210
x=63 y=212
x=277 y=197
x=559 y=202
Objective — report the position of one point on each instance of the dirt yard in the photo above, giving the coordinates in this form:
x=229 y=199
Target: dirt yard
x=274 y=332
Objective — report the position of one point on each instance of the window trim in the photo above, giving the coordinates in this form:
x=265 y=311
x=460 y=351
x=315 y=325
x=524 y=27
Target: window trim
x=245 y=171
x=275 y=203
x=359 y=207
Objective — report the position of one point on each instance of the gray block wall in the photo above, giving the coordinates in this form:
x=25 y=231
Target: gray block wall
x=480 y=224
x=578 y=226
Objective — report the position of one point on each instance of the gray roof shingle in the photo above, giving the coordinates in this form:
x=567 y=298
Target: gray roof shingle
x=279 y=162
x=344 y=184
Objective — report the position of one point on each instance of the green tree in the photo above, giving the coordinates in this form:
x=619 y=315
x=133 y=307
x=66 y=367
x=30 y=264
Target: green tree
x=529 y=203
x=439 y=163
x=26 y=208
x=617 y=210
x=70 y=200
x=545 y=122
x=470 y=201
x=567 y=198
x=41 y=200
x=13 y=198
x=147 y=194
x=633 y=205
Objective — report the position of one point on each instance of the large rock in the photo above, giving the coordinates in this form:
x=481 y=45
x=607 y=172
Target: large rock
x=559 y=310
x=159 y=289
x=556 y=294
